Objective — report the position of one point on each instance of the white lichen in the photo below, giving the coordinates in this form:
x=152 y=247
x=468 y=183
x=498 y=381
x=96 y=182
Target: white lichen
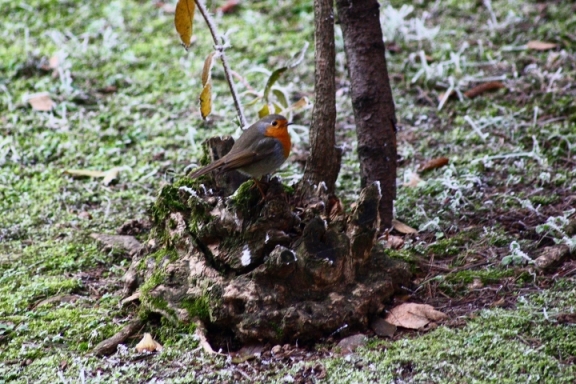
x=246 y=257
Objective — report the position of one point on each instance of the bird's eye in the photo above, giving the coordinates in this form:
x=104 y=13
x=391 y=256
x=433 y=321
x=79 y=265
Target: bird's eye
x=274 y=123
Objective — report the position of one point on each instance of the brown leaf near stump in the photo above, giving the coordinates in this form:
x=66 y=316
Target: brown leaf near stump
x=413 y=315
x=148 y=344
x=403 y=228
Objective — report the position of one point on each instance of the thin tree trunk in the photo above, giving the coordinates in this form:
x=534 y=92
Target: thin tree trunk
x=323 y=163
x=371 y=98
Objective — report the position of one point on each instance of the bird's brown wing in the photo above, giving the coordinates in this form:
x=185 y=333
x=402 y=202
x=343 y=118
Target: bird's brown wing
x=239 y=158
x=206 y=169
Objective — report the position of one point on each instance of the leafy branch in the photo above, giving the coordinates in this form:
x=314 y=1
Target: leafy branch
x=183 y=21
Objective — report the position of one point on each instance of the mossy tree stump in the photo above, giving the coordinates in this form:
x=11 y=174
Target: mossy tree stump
x=274 y=270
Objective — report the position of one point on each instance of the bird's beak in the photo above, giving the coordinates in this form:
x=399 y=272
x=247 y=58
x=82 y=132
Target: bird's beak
x=290 y=123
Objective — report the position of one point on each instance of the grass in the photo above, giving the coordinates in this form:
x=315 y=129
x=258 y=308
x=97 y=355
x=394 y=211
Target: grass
x=126 y=96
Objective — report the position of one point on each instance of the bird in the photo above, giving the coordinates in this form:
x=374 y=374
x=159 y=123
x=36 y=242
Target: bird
x=260 y=150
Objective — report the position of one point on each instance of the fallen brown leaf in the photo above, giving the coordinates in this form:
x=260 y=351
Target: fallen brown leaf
x=148 y=344
x=434 y=163
x=403 y=228
x=483 y=88
x=41 y=101
x=394 y=242
x=540 y=45
x=413 y=315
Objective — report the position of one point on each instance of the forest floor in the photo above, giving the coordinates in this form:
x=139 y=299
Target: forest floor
x=124 y=96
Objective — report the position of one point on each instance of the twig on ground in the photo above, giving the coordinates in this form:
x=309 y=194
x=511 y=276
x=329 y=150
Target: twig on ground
x=108 y=346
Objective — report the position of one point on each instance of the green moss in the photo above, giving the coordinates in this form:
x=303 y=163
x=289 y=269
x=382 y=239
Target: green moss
x=198 y=307
x=544 y=200
x=246 y=197
x=164 y=254
x=489 y=276
x=406 y=255
x=152 y=282
x=454 y=245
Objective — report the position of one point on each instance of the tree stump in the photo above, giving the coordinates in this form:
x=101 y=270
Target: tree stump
x=272 y=269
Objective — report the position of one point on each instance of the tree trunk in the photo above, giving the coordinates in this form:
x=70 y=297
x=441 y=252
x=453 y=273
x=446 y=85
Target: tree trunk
x=323 y=163
x=371 y=98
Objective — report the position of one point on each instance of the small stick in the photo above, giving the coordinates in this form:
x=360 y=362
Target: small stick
x=108 y=346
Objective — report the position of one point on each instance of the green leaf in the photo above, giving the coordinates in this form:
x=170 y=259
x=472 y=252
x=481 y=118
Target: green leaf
x=271 y=80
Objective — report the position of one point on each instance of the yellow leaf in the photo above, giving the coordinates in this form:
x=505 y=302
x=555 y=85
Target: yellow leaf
x=108 y=176
x=265 y=110
x=84 y=173
x=277 y=108
x=183 y=19
x=207 y=70
x=206 y=100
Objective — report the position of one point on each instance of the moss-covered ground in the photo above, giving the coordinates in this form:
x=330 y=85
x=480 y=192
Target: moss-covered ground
x=125 y=96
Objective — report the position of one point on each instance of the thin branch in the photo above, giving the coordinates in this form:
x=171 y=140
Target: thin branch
x=220 y=48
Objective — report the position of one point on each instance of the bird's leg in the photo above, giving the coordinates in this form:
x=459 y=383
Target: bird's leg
x=259 y=186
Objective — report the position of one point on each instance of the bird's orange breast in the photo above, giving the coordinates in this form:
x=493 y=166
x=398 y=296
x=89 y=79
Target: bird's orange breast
x=282 y=135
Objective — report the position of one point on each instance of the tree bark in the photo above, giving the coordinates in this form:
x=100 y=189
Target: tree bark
x=323 y=163
x=372 y=101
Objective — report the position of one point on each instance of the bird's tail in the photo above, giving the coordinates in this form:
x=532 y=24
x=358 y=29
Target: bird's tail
x=205 y=170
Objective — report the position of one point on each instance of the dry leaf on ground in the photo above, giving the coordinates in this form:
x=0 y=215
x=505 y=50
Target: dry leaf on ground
x=107 y=176
x=41 y=101
x=413 y=315
x=434 y=163
x=148 y=344
x=403 y=228
x=540 y=45
x=483 y=88
x=394 y=242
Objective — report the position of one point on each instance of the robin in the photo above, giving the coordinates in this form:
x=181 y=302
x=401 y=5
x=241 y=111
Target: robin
x=260 y=150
